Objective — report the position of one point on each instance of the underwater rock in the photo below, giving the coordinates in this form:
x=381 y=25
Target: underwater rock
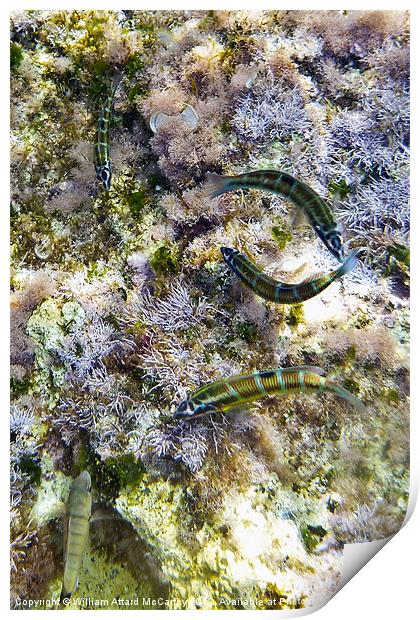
x=247 y=545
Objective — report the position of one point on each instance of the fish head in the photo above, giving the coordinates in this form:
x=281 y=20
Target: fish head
x=228 y=253
x=189 y=409
x=334 y=242
x=104 y=175
x=83 y=482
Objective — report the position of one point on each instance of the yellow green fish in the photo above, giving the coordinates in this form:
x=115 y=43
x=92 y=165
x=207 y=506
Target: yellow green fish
x=225 y=394
x=76 y=533
x=279 y=292
x=282 y=183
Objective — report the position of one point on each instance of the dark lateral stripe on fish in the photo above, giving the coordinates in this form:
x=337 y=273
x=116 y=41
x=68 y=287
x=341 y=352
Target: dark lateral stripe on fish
x=282 y=183
x=219 y=395
x=280 y=292
x=103 y=164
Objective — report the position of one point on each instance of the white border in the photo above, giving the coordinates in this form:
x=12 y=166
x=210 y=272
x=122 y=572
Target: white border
x=389 y=584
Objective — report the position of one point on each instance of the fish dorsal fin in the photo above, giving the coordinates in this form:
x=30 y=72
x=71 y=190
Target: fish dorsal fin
x=315 y=369
x=312 y=277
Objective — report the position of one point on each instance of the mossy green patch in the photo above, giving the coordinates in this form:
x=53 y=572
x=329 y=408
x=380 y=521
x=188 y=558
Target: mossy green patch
x=31 y=467
x=399 y=260
x=135 y=91
x=362 y=471
x=247 y=330
x=20 y=386
x=390 y=395
x=282 y=235
x=296 y=315
x=400 y=252
x=111 y=475
x=16 y=56
x=312 y=536
x=133 y=64
x=137 y=201
x=350 y=354
x=340 y=188
x=351 y=385
x=100 y=82
x=165 y=260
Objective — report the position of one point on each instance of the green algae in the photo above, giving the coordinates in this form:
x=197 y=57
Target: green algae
x=296 y=315
x=16 y=56
x=138 y=201
x=248 y=331
x=401 y=253
x=112 y=474
x=31 y=468
x=339 y=188
x=282 y=235
x=20 y=386
x=165 y=260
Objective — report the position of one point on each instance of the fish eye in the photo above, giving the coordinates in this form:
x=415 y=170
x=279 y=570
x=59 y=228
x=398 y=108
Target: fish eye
x=185 y=409
x=334 y=241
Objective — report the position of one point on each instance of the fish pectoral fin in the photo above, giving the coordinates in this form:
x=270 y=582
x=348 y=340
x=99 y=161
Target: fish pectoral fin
x=299 y=219
x=242 y=407
x=105 y=514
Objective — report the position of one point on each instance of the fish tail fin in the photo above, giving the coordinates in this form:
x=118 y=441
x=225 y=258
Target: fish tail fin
x=116 y=80
x=218 y=184
x=343 y=393
x=349 y=264
x=64 y=597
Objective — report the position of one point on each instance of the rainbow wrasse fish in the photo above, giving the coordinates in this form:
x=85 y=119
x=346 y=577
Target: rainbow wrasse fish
x=277 y=182
x=103 y=163
x=225 y=394
x=76 y=532
x=279 y=292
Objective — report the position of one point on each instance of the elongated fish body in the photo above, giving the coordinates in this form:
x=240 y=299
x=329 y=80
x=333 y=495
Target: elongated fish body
x=237 y=390
x=283 y=184
x=279 y=292
x=103 y=163
x=76 y=532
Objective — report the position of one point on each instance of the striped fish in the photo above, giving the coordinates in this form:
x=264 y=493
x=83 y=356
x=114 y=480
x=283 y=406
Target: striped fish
x=103 y=163
x=277 y=182
x=76 y=532
x=234 y=391
x=279 y=292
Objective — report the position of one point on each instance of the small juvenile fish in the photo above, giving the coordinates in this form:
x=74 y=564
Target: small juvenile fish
x=237 y=390
x=103 y=162
x=76 y=532
x=277 y=182
x=279 y=292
